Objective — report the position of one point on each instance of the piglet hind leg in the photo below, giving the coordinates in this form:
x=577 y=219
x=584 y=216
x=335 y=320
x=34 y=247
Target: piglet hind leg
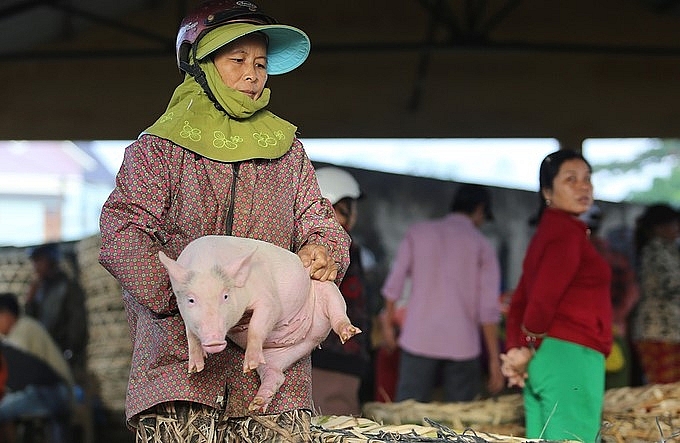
x=271 y=373
x=332 y=305
x=271 y=379
x=345 y=330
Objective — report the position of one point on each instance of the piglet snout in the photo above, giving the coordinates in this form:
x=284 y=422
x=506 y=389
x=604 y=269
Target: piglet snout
x=214 y=347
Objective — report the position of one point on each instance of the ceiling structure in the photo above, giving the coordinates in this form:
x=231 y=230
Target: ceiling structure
x=96 y=69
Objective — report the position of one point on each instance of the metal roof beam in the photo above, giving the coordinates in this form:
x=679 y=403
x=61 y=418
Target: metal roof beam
x=18 y=8
x=115 y=24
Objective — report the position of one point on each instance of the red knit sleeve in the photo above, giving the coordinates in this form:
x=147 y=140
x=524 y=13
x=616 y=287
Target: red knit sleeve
x=513 y=336
x=555 y=268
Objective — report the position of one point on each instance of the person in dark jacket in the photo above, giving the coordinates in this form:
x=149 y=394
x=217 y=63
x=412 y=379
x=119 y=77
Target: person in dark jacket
x=57 y=300
x=339 y=369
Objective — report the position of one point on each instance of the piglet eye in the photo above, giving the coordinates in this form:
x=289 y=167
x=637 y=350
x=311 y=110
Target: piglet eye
x=225 y=295
x=191 y=301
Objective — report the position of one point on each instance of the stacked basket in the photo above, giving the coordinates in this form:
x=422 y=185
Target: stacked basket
x=501 y=415
x=16 y=271
x=109 y=348
x=633 y=415
x=642 y=414
x=344 y=429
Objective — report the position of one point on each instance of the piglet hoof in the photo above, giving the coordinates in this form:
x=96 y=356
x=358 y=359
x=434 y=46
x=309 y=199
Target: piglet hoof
x=348 y=332
x=196 y=364
x=250 y=366
x=258 y=405
x=252 y=361
x=195 y=367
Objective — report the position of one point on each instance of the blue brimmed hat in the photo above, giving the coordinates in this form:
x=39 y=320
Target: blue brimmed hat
x=287 y=48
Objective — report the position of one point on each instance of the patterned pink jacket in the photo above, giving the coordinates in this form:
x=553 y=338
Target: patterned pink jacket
x=166 y=196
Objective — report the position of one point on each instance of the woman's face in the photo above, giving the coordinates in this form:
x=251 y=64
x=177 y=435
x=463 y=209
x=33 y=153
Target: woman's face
x=572 y=190
x=242 y=64
x=346 y=213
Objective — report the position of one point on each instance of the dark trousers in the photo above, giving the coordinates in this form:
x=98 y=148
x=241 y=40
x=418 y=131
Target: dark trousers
x=418 y=376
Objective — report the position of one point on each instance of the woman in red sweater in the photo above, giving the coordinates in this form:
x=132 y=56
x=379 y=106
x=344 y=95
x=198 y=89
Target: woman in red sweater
x=559 y=326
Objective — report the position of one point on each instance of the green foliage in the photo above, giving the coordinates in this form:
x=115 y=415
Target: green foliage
x=666 y=189
x=663 y=189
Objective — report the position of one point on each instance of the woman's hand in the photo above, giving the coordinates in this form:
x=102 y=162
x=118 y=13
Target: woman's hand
x=321 y=265
x=388 y=333
x=514 y=365
x=496 y=380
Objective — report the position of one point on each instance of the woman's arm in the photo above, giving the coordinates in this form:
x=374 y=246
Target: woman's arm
x=319 y=239
x=131 y=227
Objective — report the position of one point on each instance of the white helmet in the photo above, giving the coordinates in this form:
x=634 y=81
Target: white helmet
x=337 y=184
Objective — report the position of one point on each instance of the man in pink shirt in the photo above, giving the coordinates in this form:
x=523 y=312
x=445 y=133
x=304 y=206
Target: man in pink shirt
x=453 y=303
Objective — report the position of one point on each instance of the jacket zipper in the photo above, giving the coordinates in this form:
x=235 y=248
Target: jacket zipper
x=230 y=213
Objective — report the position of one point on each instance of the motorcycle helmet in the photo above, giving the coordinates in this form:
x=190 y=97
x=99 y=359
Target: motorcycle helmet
x=203 y=31
x=336 y=184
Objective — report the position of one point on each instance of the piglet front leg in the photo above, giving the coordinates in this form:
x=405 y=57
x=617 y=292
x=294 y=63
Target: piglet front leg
x=265 y=311
x=196 y=353
x=254 y=357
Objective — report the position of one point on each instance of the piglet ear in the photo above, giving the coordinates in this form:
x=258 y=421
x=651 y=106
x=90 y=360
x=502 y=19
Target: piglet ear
x=239 y=268
x=175 y=271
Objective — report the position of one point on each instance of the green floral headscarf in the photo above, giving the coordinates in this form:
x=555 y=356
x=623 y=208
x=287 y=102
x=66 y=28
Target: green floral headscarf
x=247 y=130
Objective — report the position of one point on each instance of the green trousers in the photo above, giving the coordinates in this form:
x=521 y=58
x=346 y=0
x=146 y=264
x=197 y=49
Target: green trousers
x=564 y=393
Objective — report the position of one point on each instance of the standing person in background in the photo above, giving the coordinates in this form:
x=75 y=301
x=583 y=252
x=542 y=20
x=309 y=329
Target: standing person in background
x=215 y=163
x=625 y=294
x=338 y=369
x=455 y=284
x=57 y=301
x=656 y=330
x=559 y=326
x=387 y=358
